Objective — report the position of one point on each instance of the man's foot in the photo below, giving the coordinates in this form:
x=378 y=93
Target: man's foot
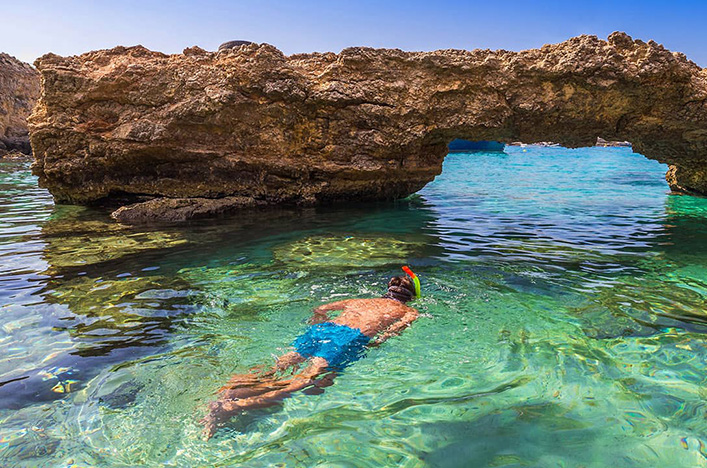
x=212 y=420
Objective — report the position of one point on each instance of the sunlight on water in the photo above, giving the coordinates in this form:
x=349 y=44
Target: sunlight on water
x=564 y=301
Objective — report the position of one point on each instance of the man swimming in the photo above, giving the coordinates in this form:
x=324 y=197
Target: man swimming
x=326 y=347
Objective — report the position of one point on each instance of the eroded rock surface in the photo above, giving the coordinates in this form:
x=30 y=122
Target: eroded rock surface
x=173 y=210
x=19 y=91
x=359 y=125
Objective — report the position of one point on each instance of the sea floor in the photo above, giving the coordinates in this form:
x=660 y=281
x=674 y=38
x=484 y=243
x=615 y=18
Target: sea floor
x=564 y=320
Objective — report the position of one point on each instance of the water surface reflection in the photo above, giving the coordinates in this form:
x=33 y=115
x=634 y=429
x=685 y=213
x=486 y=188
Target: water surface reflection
x=564 y=298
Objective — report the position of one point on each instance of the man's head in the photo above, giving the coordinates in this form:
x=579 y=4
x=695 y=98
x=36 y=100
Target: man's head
x=400 y=288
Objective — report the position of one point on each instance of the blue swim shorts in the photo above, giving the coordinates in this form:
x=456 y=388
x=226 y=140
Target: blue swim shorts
x=338 y=344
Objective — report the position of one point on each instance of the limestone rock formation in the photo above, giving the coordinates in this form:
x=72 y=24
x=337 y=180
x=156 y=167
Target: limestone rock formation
x=363 y=124
x=19 y=91
x=233 y=44
x=181 y=209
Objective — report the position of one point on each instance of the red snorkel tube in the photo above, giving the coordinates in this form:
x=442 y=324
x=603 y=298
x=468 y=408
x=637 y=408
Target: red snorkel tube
x=415 y=280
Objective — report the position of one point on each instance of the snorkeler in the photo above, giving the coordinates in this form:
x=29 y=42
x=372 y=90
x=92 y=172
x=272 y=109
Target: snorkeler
x=325 y=348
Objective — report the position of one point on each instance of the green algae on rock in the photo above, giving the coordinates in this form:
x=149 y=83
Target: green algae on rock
x=347 y=251
x=241 y=290
x=79 y=238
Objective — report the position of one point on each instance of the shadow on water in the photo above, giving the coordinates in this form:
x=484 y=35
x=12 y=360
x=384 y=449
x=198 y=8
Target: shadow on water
x=120 y=292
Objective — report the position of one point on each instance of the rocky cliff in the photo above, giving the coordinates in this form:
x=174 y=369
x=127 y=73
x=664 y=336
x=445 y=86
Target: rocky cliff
x=254 y=125
x=19 y=91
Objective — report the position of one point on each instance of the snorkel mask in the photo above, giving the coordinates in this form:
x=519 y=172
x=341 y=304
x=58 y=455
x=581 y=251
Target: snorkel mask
x=415 y=280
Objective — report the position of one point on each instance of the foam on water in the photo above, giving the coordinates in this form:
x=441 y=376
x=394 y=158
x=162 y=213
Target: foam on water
x=564 y=324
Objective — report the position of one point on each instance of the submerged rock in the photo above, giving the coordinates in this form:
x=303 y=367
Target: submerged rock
x=76 y=238
x=29 y=445
x=181 y=209
x=19 y=91
x=364 y=124
x=347 y=251
x=121 y=397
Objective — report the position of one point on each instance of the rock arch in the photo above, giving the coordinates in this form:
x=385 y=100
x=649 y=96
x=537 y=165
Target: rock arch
x=250 y=125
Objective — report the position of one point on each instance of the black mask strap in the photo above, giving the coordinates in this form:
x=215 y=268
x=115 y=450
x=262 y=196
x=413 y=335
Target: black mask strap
x=398 y=293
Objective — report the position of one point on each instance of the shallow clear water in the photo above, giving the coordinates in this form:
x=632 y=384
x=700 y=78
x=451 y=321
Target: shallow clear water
x=564 y=324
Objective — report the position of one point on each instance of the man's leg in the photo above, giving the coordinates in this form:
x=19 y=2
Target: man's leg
x=288 y=360
x=266 y=394
x=307 y=377
x=284 y=362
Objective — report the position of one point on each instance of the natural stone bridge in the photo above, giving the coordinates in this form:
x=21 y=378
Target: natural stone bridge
x=252 y=126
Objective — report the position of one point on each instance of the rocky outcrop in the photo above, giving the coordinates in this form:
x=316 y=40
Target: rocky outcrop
x=181 y=209
x=19 y=91
x=363 y=124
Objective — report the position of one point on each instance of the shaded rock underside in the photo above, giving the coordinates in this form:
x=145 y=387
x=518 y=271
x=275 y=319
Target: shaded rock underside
x=363 y=124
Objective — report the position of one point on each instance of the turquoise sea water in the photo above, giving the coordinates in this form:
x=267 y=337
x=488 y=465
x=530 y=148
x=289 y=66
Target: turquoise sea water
x=564 y=324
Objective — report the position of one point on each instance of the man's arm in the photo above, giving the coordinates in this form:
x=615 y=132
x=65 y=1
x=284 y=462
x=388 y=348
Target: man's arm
x=396 y=328
x=320 y=313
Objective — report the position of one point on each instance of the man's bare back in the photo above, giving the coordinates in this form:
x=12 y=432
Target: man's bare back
x=328 y=346
x=371 y=316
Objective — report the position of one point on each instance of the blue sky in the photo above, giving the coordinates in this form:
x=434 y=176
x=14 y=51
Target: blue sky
x=67 y=27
